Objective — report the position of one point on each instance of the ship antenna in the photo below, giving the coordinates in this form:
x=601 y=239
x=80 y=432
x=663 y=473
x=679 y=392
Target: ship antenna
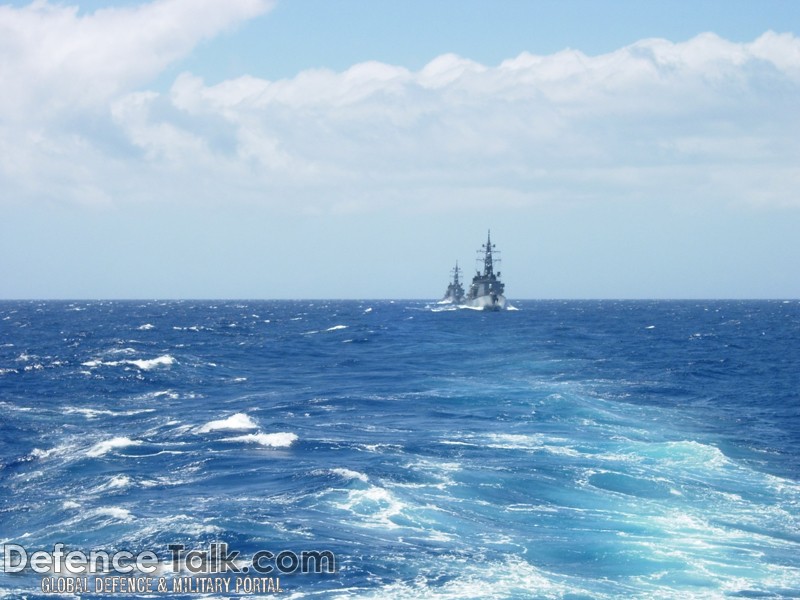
x=488 y=267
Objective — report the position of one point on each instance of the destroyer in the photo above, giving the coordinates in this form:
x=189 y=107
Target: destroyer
x=455 y=291
x=486 y=291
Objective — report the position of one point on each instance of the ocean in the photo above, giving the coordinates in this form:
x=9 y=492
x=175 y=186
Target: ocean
x=566 y=449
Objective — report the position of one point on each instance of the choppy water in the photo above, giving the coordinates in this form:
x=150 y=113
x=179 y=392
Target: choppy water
x=564 y=450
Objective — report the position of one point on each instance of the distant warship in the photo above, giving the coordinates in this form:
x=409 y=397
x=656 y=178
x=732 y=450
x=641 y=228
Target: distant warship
x=486 y=291
x=455 y=291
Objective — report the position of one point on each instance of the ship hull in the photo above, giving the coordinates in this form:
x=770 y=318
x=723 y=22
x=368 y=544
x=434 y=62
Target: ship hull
x=488 y=302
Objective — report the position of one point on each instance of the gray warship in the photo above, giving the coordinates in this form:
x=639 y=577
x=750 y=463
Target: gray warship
x=455 y=291
x=486 y=290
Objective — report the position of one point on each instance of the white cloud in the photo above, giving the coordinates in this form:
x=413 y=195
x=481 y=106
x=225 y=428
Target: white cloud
x=53 y=58
x=60 y=73
x=703 y=120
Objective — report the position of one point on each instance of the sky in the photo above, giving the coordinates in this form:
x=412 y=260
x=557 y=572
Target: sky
x=261 y=149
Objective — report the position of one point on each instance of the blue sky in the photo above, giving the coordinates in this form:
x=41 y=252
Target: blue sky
x=356 y=149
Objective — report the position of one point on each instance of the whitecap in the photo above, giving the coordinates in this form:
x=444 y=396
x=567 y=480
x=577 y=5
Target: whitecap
x=336 y=328
x=101 y=448
x=511 y=578
x=89 y=413
x=146 y=327
x=272 y=440
x=175 y=524
x=377 y=506
x=116 y=512
x=121 y=351
x=349 y=474
x=146 y=365
x=39 y=453
x=168 y=393
x=239 y=421
x=118 y=482
x=686 y=452
x=515 y=441
x=93 y=413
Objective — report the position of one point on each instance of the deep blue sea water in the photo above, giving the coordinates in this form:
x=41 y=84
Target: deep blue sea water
x=593 y=449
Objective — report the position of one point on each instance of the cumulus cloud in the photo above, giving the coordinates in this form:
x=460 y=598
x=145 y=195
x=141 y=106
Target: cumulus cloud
x=54 y=58
x=60 y=73
x=703 y=120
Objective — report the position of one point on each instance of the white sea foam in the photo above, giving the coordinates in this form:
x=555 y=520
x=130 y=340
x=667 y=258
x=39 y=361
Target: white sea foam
x=533 y=442
x=180 y=524
x=272 y=440
x=146 y=327
x=104 y=447
x=443 y=308
x=160 y=394
x=237 y=422
x=377 y=506
x=146 y=365
x=121 y=351
x=118 y=482
x=349 y=474
x=93 y=413
x=511 y=578
x=561 y=450
x=336 y=328
x=515 y=441
x=9 y=406
x=686 y=453
x=89 y=413
x=39 y=453
x=69 y=504
x=116 y=512
x=114 y=483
